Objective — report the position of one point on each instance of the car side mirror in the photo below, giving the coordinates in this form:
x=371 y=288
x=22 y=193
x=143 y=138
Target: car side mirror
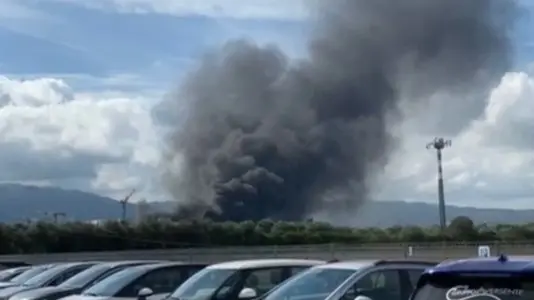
x=247 y=293
x=144 y=293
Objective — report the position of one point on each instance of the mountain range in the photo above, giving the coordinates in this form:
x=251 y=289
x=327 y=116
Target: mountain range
x=19 y=203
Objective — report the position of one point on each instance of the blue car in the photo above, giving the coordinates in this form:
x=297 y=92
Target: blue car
x=491 y=278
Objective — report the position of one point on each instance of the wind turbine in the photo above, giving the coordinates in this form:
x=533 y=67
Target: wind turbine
x=124 y=204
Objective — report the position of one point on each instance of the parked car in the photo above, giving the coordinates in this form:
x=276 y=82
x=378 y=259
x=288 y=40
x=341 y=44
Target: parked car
x=347 y=280
x=244 y=279
x=493 y=278
x=25 y=276
x=51 y=277
x=153 y=281
x=80 y=281
x=8 y=274
x=12 y=264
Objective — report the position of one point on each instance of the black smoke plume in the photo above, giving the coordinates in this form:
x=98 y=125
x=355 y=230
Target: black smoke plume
x=265 y=136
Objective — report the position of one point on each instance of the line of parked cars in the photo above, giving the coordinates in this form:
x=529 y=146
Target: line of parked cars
x=495 y=278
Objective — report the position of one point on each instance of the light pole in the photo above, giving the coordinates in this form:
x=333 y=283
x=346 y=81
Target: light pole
x=439 y=144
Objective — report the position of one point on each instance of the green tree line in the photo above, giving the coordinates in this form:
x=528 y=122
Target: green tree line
x=48 y=237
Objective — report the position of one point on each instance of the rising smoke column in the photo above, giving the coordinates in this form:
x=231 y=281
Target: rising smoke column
x=262 y=136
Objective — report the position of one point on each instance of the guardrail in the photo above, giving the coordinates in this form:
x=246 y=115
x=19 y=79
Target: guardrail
x=432 y=251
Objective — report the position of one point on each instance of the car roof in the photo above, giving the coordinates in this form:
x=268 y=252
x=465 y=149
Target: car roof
x=365 y=263
x=149 y=267
x=500 y=264
x=264 y=263
x=113 y=264
x=17 y=269
x=68 y=265
x=75 y=264
x=349 y=265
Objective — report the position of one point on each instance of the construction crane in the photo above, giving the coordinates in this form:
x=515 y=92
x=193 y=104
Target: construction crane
x=124 y=204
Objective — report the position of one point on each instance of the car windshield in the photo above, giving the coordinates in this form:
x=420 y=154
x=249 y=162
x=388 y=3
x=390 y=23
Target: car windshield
x=202 y=284
x=315 y=283
x=477 y=287
x=111 y=285
x=44 y=277
x=27 y=275
x=10 y=273
x=5 y=274
x=86 y=277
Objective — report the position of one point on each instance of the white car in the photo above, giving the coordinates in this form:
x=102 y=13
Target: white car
x=244 y=279
x=352 y=280
x=151 y=282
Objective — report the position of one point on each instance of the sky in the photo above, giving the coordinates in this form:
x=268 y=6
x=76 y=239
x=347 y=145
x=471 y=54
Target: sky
x=79 y=81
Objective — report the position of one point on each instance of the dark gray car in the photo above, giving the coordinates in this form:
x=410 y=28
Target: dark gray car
x=79 y=282
x=346 y=280
x=25 y=276
x=51 y=277
x=8 y=274
x=144 y=281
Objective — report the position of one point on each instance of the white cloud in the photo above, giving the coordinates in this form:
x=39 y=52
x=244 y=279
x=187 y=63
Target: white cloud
x=100 y=141
x=490 y=163
x=240 y=9
x=51 y=133
x=14 y=10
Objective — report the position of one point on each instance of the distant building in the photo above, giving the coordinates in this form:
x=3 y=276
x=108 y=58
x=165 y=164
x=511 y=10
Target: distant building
x=143 y=210
x=97 y=222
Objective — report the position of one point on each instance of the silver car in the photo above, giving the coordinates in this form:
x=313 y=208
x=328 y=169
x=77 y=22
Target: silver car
x=242 y=279
x=351 y=280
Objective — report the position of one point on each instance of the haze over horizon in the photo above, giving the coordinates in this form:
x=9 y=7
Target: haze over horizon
x=79 y=82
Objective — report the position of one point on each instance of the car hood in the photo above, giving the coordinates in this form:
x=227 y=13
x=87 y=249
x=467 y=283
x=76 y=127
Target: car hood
x=50 y=292
x=10 y=291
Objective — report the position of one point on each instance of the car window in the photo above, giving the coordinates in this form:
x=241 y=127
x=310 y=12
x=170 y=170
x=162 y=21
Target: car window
x=27 y=275
x=11 y=273
x=106 y=275
x=5 y=274
x=111 y=285
x=226 y=289
x=377 y=285
x=87 y=276
x=206 y=282
x=190 y=271
x=66 y=275
x=314 y=283
x=43 y=278
x=413 y=275
x=163 y=280
x=263 y=280
x=295 y=270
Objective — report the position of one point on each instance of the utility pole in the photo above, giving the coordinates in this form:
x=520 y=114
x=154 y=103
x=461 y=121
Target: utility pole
x=439 y=144
x=124 y=204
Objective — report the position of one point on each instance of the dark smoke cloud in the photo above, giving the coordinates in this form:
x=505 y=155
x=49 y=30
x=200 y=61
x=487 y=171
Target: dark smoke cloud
x=264 y=136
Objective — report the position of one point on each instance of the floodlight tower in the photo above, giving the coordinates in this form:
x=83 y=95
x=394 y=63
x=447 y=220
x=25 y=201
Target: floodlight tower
x=439 y=144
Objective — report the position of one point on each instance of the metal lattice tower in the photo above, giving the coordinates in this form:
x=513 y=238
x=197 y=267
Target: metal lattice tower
x=439 y=144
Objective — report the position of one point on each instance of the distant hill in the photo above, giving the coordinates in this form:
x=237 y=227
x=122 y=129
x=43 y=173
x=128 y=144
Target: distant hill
x=20 y=203
x=391 y=213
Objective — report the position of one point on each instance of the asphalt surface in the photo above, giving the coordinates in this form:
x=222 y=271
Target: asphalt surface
x=434 y=252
